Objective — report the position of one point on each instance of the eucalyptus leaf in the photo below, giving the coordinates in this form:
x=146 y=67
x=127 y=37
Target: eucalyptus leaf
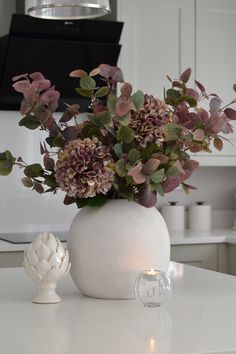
x=102 y=118
x=34 y=170
x=121 y=168
x=96 y=201
x=27 y=182
x=125 y=134
x=111 y=103
x=29 y=122
x=50 y=181
x=173 y=94
x=157 y=176
x=138 y=100
x=118 y=148
x=124 y=120
x=83 y=92
x=87 y=83
x=160 y=189
x=6 y=163
x=134 y=155
x=102 y=91
x=172 y=131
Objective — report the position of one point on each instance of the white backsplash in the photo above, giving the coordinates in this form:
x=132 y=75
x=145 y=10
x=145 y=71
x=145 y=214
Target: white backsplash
x=24 y=210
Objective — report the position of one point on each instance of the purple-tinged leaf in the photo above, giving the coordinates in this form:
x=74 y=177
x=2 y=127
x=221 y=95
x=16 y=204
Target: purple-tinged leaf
x=41 y=85
x=199 y=134
x=126 y=89
x=187 y=187
x=69 y=200
x=27 y=182
x=179 y=166
x=136 y=173
x=123 y=106
x=215 y=104
x=146 y=197
x=49 y=163
x=230 y=113
x=70 y=133
x=15 y=78
x=151 y=166
x=42 y=148
x=190 y=165
x=50 y=99
x=38 y=187
x=168 y=78
x=218 y=143
x=162 y=158
x=170 y=183
x=37 y=76
x=78 y=73
x=226 y=127
x=21 y=86
x=105 y=70
x=117 y=74
x=69 y=113
x=193 y=93
x=200 y=86
x=94 y=72
x=186 y=75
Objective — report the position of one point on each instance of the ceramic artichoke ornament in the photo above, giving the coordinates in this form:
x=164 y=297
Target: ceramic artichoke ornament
x=45 y=261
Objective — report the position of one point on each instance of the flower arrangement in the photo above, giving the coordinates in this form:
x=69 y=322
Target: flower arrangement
x=131 y=146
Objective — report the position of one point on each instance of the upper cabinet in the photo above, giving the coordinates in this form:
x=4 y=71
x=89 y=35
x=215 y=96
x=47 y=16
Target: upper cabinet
x=166 y=36
x=157 y=40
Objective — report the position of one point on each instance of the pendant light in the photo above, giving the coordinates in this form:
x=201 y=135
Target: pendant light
x=67 y=9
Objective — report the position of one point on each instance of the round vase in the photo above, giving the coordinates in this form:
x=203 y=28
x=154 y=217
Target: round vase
x=110 y=245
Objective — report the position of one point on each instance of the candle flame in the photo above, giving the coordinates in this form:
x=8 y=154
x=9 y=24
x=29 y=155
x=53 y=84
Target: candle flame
x=152 y=345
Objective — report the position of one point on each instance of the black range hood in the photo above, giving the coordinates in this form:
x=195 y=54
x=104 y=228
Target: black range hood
x=55 y=48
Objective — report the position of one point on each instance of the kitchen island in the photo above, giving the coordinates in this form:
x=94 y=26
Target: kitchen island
x=198 y=318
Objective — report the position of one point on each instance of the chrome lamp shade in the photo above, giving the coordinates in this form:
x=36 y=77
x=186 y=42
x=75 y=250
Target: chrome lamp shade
x=67 y=9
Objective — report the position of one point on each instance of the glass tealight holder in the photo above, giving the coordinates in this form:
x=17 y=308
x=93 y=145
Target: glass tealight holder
x=152 y=287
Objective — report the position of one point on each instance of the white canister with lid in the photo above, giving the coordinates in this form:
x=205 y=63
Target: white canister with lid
x=200 y=216
x=174 y=216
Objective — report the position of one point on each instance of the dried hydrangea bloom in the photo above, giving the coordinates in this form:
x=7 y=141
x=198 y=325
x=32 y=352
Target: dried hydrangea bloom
x=147 y=122
x=84 y=168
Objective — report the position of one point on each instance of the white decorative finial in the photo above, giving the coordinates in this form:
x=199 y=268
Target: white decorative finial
x=45 y=261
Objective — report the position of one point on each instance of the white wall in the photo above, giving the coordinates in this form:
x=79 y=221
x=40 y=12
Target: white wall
x=7 y=7
x=22 y=209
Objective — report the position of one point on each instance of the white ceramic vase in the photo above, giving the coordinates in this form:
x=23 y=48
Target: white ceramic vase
x=110 y=245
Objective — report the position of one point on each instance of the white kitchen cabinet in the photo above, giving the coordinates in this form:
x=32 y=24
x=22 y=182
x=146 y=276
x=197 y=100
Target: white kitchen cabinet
x=11 y=259
x=232 y=259
x=208 y=256
x=215 y=63
x=157 y=39
x=166 y=36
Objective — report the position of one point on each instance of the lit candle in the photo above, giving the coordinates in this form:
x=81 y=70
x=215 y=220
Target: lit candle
x=152 y=345
x=151 y=274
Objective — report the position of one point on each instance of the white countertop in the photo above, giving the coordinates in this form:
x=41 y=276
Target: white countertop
x=199 y=237
x=199 y=318
x=186 y=237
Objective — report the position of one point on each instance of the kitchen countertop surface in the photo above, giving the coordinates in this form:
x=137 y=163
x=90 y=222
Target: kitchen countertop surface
x=198 y=318
x=186 y=237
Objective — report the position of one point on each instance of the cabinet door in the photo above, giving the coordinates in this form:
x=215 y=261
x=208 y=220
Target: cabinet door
x=215 y=62
x=203 y=256
x=157 y=39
